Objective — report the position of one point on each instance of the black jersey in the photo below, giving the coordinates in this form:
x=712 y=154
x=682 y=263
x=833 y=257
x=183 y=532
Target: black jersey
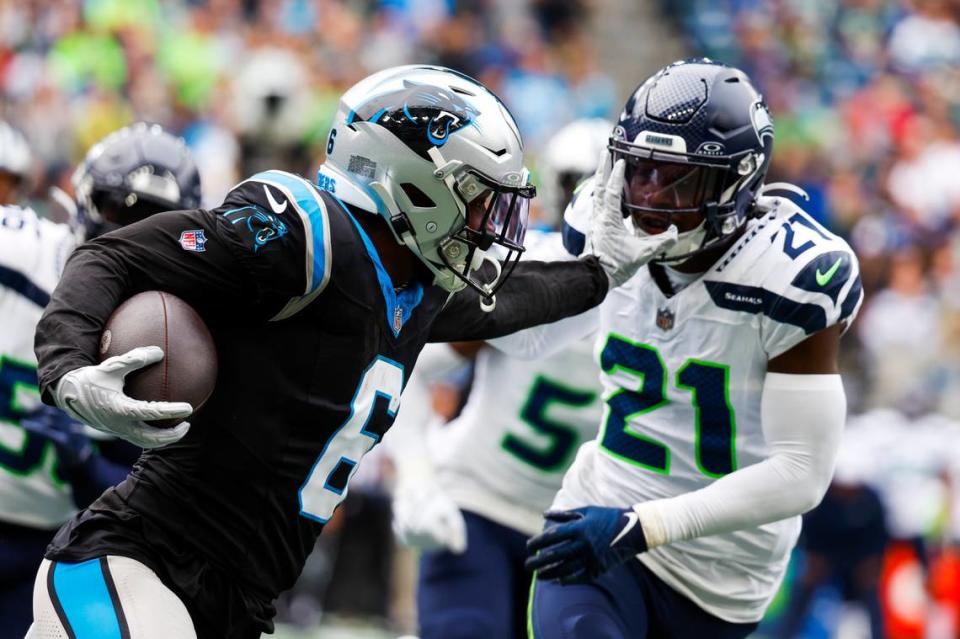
x=314 y=346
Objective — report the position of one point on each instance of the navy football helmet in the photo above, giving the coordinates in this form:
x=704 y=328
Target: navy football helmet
x=697 y=139
x=131 y=174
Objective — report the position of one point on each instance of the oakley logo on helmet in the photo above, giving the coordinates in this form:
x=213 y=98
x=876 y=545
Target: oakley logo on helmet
x=711 y=148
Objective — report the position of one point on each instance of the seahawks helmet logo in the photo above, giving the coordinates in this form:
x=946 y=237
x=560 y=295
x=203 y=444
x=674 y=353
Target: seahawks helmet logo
x=422 y=115
x=762 y=122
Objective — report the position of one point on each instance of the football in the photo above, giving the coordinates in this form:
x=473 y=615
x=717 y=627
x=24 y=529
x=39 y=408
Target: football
x=188 y=371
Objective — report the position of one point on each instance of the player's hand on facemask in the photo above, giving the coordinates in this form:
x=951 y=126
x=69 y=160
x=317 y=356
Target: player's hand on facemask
x=94 y=395
x=428 y=519
x=579 y=545
x=621 y=253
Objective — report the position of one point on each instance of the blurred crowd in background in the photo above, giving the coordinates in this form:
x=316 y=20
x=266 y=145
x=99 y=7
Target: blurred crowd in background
x=254 y=83
x=866 y=100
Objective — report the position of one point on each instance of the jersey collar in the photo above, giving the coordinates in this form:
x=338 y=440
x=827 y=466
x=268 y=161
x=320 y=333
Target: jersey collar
x=399 y=306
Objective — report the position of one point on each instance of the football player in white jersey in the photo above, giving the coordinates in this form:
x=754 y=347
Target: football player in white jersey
x=48 y=465
x=723 y=399
x=14 y=164
x=473 y=502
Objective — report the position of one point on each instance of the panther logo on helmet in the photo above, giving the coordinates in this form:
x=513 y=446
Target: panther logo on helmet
x=421 y=115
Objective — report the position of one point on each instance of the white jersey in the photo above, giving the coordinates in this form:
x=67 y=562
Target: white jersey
x=32 y=255
x=504 y=457
x=682 y=379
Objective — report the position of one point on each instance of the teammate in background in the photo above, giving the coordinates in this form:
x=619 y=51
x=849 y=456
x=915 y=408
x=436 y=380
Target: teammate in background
x=499 y=464
x=48 y=465
x=570 y=157
x=319 y=300
x=719 y=366
x=14 y=164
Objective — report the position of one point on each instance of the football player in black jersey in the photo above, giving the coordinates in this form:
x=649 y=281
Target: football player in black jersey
x=319 y=298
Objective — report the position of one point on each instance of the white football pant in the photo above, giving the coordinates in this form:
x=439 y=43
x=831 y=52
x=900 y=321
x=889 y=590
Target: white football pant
x=105 y=598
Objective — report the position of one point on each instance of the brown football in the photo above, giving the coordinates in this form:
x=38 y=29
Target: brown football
x=188 y=370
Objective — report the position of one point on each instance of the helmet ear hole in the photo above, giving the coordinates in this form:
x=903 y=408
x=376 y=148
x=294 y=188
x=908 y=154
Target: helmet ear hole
x=417 y=197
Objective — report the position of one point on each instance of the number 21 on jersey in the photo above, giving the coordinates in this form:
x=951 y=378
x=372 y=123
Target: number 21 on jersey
x=377 y=399
x=709 y=386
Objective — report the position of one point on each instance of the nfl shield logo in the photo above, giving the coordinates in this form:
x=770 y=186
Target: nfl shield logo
x=397 y=319
x=664 y=319
x=194 y=241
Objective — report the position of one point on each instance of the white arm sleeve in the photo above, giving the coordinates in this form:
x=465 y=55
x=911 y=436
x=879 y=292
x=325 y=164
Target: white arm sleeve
x=803 y=417
x=548 y=339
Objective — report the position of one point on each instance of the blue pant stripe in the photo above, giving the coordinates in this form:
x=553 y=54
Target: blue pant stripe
x=86 y=601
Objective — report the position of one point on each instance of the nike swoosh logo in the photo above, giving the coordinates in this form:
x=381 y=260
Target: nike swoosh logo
x=824 y=278
x=632 y=520
x=276 y=206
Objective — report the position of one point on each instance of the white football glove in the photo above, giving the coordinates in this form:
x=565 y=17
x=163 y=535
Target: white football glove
x=426 y=518
x=94 y=395
x=621 y=253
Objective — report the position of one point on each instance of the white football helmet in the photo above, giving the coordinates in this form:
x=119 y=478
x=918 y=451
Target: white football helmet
x=15 y=157
x=571 y=155
x=440 y=158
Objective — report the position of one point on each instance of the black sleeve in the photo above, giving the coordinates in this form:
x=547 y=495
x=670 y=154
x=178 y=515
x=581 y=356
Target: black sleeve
x=217 y=263
x=535 y=293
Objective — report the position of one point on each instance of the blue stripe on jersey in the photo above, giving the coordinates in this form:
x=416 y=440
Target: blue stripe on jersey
x=21 y=284
x=406 y=300
x=85 y=599
x=753 y=299
x=573 y=240
x=834 y=266
x=851 y=300
x=306 y=199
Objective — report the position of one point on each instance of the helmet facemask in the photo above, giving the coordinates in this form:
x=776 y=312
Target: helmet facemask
x=700 y=195
x=495 y=222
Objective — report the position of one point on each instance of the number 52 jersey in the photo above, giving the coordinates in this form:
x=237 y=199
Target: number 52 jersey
x=505 y=455
x=683 y=377
x=32 y=253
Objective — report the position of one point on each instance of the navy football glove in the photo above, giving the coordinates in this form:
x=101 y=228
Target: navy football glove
x=584 y=543
x=73 y=447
